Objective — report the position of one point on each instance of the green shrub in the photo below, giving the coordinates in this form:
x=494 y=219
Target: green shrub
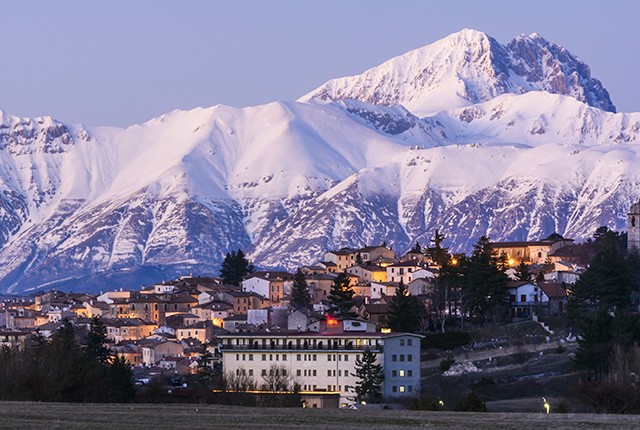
x=562 y=408
x=472 y=403
x=447 y=362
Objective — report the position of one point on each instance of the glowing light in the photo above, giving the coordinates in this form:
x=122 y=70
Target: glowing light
x=385 y=330
x=332 y=322
x=511 y=262
x=454 y=262
x=547 y=406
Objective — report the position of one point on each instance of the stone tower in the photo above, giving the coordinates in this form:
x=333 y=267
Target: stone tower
x=633 y=228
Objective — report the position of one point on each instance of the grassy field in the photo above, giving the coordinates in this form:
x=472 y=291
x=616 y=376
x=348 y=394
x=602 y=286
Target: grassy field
x=50 y=416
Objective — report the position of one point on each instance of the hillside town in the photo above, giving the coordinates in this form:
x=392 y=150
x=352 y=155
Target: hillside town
x=263 y=333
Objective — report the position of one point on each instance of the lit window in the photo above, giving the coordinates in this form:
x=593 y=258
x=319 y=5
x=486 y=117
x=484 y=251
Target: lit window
x=402 y=373
x=402 y=388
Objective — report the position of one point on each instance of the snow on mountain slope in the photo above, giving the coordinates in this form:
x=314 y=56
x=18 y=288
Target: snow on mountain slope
x=469 y=67
x=520 y=146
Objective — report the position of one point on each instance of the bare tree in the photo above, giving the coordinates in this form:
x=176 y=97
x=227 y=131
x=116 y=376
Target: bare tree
x=277 y=379
x=239 y=380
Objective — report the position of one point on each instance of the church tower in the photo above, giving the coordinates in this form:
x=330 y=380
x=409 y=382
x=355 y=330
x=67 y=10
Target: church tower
x=633 y=228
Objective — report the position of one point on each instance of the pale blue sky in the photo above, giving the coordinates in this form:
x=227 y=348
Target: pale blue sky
x=122 y=62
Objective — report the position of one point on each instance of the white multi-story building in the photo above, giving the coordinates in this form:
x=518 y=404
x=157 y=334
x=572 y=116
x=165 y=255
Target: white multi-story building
x=325 y=362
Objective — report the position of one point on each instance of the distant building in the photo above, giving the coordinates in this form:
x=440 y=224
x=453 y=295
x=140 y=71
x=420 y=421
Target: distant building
x=325 y=362
x=530 y=252
x=633 y=228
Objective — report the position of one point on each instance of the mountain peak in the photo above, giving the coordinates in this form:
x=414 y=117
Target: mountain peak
x=469 y=67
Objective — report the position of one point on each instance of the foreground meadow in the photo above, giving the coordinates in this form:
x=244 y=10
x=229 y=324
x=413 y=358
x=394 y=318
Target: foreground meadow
x=16 y=415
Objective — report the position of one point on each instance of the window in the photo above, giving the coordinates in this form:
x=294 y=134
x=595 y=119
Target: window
x=250 y=357
x=264 y=357
x=315 y=373
x=394 y=357
x=346 y=357
x=402 y=388
x=409 y=357
x=409 y=373
x=329 y=357
x=298 y=372
x=329 y=372
x=284 y=357
x=264 y=372
x=523 y=298
x=394 y=389
x=512 y=298
x=250 y=372
x=298 y=357
x=315 y=357
x=401 y=373
x=394 y=373
x=401 y=342
x=401 y=357
x=409 y=342
x=410 y=388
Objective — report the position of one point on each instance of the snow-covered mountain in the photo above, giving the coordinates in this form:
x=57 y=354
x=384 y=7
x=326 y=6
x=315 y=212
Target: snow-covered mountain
x=100 y=207
x=469 y=67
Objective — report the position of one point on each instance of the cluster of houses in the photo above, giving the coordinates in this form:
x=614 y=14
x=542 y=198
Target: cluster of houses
x=165 y=328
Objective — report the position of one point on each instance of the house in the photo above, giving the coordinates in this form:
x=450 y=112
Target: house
x=325 y=362
x=201 y=330
x=530 y=252
x=557 y=297
x=120 y=329
x=380 y=289
x=371 y=253
x=180 y=365
x=273 y=285
x=130 y=352
x=343 y=258
x=376 y=312
x=320 y=286
x=155 y=350
x=526 y=298
x=243 y=301
x=402 y=271
x=368 y=272
x=633 y=228
x=421 y=286
x=215 y=311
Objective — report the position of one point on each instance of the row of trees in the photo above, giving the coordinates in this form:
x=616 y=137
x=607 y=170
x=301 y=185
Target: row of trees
x=63 y=370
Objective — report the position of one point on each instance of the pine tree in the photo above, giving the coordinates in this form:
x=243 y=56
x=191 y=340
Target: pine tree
x=96 y=346
x=358 y=259
x=437 y=253
x=341 y=295
x=404 y=311
x=522 y=272
x=235 y=267
x=300 y=298
x=484 y=279
x=370 y=377
x=417 y=249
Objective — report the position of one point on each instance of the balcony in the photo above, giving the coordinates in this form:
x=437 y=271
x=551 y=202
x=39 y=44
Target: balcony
x=302 y=348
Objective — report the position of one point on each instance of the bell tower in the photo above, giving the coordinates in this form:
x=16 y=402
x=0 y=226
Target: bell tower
x=633 y=228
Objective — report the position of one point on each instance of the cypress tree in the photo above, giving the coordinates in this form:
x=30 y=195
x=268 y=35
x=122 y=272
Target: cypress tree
x=300 y=298
x=341 y=295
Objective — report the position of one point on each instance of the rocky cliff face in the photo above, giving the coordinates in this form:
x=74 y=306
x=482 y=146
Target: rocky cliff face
x=469 y=67
x=525 y=147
